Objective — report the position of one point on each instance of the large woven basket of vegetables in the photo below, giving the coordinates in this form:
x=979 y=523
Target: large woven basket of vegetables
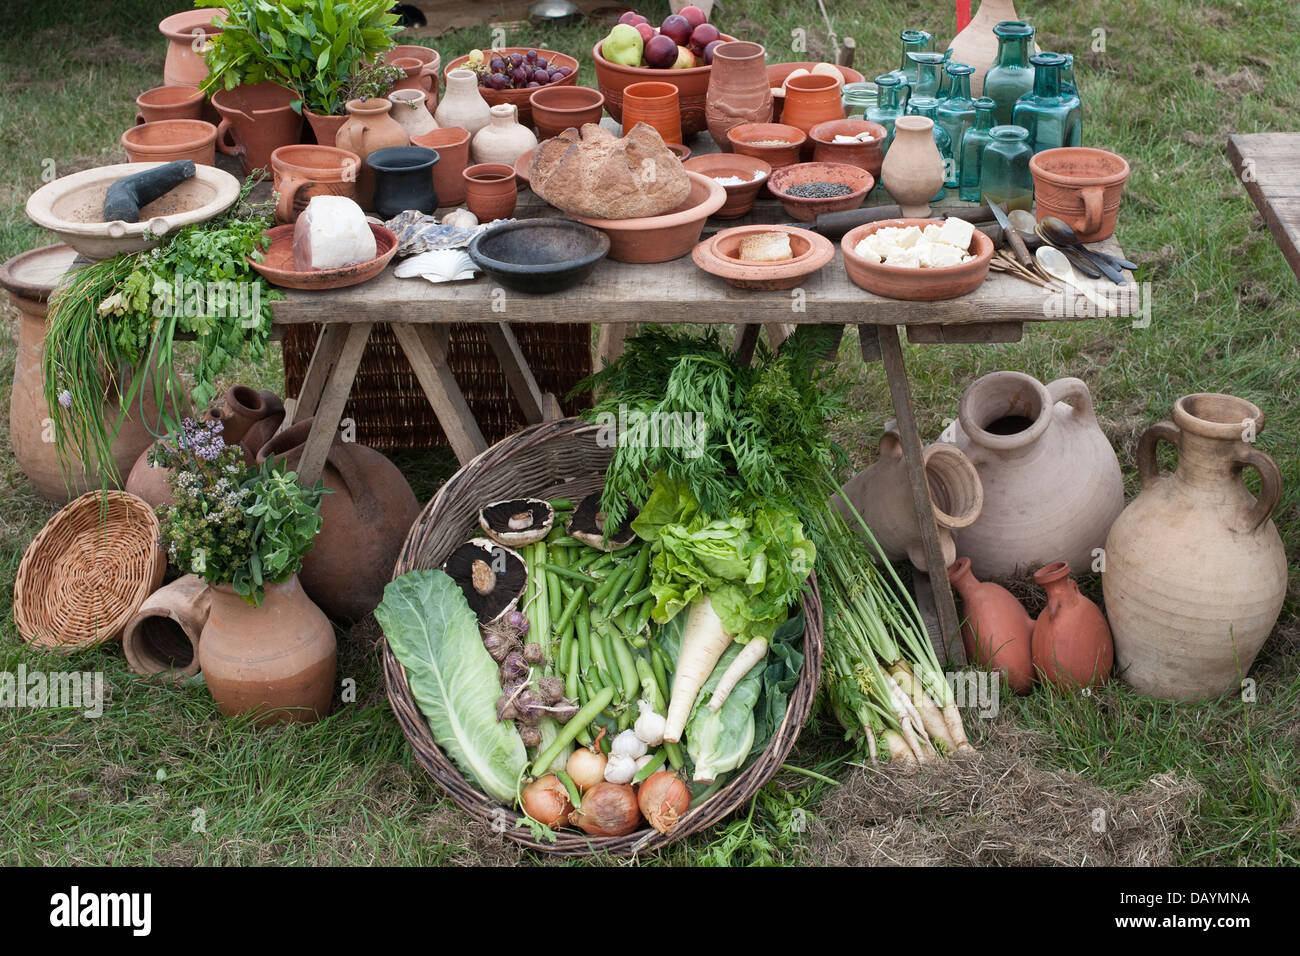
x=594 y=679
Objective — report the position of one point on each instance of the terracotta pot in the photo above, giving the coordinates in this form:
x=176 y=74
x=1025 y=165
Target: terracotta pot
x=810 y=101
x=740 y=197
x=557 y=108
x=503 y=140
x=363 y=523
x=250 y=418
x=277 y=661
x=255 y=121
x=410 y=113
x=868 y=156
x=654 y=104
x=168 y=140
x=1196 y=572
x=996 y=630
x=30 y=278
x=1082 y=186
x=186 y=34
x=432 y=62
x=738 y=90
x=163 y=636
x=692 y=87
x=490 y=190
x=325 y=128
x=776 y=144
x=452 y=147
x=403 y=180
x=977 y=44
x=369 y=127
x=149 y=481
x=463 y=105
x=912 y=170
x=413 y=67
x=1072 y=644
x=667 y=237
x=301 y=172
x=169 y=103
x=882 y=496
x=1052 y=484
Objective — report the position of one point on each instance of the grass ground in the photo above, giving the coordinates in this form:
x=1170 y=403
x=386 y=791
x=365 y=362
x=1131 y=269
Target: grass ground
x=161 y=778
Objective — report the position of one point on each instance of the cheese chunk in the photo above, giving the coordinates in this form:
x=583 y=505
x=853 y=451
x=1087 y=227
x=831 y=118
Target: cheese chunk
x=957 y=232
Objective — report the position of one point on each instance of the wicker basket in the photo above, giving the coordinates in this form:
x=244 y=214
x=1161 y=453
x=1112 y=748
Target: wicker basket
x=88 y=571
x=554 y=460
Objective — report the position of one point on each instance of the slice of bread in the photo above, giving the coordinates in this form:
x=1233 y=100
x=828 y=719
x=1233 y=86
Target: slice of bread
x=766 y=247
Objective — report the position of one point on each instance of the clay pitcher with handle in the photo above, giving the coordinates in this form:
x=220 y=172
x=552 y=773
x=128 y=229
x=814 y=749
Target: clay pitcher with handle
x=996 y=630
x=1196 y=572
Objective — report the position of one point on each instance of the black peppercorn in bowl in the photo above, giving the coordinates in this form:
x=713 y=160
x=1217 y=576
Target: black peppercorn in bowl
x=807 y=190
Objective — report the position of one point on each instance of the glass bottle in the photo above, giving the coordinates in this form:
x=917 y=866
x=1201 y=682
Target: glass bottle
x=926 y=106
x=1053 y=118
x=857 y=98
x=914 y=41
x=1011 y=76
x=886 y=109
x=1067 y=76
x=956 y=114
x=928 y=77
x=1004 y=169
x=972 y=149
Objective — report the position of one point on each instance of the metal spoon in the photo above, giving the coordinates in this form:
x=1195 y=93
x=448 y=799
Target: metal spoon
x=1054 y=263
x=1022 y=220
x=1080 y=260
x=1059 y=233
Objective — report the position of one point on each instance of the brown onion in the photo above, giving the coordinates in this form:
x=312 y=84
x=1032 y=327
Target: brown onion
x=608 y=809
x=586 y=767
x=664 y=799
x=546 y=800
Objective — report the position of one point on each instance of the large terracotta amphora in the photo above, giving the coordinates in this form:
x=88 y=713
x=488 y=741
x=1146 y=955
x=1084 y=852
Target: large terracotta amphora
x=1195 y=569
x=1052 y=484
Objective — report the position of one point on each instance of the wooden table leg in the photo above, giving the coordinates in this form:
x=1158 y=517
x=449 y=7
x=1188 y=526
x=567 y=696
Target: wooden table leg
x=609 y=342
x=329 y=346
x=746 y=341
x=947 y=643
x=537 y=406
x=426 y=349
x=328 y=410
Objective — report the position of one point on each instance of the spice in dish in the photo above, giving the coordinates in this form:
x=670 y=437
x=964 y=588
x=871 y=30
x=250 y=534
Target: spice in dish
x=732 y=180
x=819 y=190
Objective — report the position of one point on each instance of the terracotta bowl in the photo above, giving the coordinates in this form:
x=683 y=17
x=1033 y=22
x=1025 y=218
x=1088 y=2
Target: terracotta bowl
x=1080 y=185
x=169 y=140
x=806 y=210
x=746 y=137
x=917 y=285
x=523 y=162
x=520 y=98
x=777 y=73
x=740 y=198
x=277 y=266
x=720 y=256
x=868 y=156
x=557 y=108
x=683 y=151
x=692 y=87
x=667 y=237
x=169 y=102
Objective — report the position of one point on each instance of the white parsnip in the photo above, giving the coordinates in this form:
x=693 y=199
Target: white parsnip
x=704 y=641
x=752 y=653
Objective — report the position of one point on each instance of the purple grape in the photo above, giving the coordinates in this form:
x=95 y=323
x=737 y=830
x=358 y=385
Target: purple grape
x=519 y=76
x=541 y=63
x=516 y=59
x=533 y=85
x=565 y=71
x=497 y=64
x=499 y=81
x=555 y=76
x=531 y=56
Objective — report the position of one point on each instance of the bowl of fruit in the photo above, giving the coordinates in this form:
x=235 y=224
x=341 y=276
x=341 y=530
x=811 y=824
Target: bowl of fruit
x=679 y=51
x=511 y=74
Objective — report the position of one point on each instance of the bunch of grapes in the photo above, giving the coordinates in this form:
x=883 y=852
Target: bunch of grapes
x=517 y=71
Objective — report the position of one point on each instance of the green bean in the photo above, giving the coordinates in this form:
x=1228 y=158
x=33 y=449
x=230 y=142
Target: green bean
x=604 y=559
x=561 y=504
x=649 y=689
x=553 y=596
x=611 y=662
x=574 y=797
x=565 y=616
x=569 y=573
x=637 y=599
x=604 y=670
x=565 y=542
x=571 y=673
x=613 y=594
x=674 y=752
x=627 y=667
x=633 y=584
x=570 y=730
x=648 y=769
x=610 y=585
x=660 y=668
x=583 y=623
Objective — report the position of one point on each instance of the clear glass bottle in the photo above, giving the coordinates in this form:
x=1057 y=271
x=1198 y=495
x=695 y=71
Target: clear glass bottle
x=956 y=114
x=928 y=76
x=1052 y=117
x=1011 y=76
x=913 y=41
x=857 y=98
x=972 y=149
x=886 y=109
x=1067 y=76
x=927 y=106
x=1004 y=169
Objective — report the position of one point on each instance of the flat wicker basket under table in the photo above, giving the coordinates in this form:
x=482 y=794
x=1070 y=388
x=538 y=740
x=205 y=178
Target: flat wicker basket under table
x=561 y=459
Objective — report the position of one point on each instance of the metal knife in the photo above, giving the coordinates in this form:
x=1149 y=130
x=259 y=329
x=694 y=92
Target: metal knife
x=1013 y=237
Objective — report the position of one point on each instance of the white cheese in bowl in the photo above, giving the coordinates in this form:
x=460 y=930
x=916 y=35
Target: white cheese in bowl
x=934 y=247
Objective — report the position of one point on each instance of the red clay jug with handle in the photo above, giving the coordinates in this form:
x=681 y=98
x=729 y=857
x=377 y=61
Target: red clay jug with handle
x=1071 y=643
x=996 y=630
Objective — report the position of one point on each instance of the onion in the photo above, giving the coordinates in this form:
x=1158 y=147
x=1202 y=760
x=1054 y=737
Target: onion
x=586 y=767
x=663 y=799
x=608 y=809
x=546 y=800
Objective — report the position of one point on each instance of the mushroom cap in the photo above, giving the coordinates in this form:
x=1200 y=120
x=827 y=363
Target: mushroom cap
x=517 y=521
x=588 y=525
x=492 y=576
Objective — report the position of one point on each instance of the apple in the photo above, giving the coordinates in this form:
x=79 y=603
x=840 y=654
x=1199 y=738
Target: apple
x=632 y=18
x=694 y=14
x=702 y=36
x=623 y=45
x=678 y=27
x=685 y=59
x=646 y=31
x=708 y=52
x=660 y=52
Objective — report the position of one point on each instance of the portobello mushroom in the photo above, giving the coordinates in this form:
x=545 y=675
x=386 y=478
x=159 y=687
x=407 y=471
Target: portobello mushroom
x=517 y=522
x=588 y=525
x=492 y=576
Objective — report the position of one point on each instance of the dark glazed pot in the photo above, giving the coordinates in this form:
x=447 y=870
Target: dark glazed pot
x=403 y=179
x=539 y=255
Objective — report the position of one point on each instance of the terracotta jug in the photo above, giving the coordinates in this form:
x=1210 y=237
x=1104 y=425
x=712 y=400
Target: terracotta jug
x=410 y=113
x=913 y=169
x=978 y=45
x=882 y=496
x=369 y=127
x=186 y=34
x=996 y=629
x=277 y=660
x=255 y=121
x=1072 y=644
x=491 y=192
x=503 y=140
x=364 y=521
x=452 y=147
x=463 y=105
x=739 y=91
x=1195 y=569
x=1052 y=484
x=163 y=636
x=1080 y=185
x=429 y=76
x=301 y=172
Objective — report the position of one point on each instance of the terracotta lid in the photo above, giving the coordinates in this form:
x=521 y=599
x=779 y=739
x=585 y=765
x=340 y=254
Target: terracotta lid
x=34 y=274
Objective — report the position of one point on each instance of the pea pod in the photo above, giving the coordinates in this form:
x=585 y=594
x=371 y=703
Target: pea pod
x=626 y=667
x=652 y=767
x=553 y=596
x=569 y=731
x=565 y=616
x=569 y=573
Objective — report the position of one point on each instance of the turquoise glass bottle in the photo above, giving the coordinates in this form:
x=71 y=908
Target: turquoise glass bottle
x=972 y=149
x=927 y=106
x=1011 y=75
x=886 y=109
x=857 y=98
x=913 y=41
x=1067 y=76
x=956 y=114
x=929 y=78
x=1053 y=118
x=1004 y=169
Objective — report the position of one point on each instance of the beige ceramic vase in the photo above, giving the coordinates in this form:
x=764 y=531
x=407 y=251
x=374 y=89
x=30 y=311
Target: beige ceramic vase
x=1052 y=483
x=463 y=105
x=977 y=44
x=913 y=169
x=369 y=127
x=504 y=139
x=277 y=660
x=1195 y=569
x=163 y=637
x=883 y=497
x=410 y=112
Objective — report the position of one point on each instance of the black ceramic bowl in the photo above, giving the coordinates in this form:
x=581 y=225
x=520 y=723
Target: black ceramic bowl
x=539 y=255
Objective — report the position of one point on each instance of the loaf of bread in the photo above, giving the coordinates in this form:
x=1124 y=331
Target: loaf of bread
x=596 y=174
x=766 y=247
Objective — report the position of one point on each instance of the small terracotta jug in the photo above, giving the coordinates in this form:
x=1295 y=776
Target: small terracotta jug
x=490 y=190
x=413 y=67
x=188 y=34
x=369 y=127
x=739 y=91
x=429 y=76
x=163 y=636
x=503 y=140
x=996 y=630
x=463 y=105
x=1072 y=643
x=249 y=418
x=277 y=660
x=452 y=147
x=912 y=171
x=810 y=101
x=410 y=112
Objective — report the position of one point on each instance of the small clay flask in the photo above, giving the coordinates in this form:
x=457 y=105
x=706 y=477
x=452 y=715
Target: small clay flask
x=996 y=630
x=1072 y=644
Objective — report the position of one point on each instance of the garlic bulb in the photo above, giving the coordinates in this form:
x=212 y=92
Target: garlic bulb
x=620 y=768
x=629 y=744
x=649 y=727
